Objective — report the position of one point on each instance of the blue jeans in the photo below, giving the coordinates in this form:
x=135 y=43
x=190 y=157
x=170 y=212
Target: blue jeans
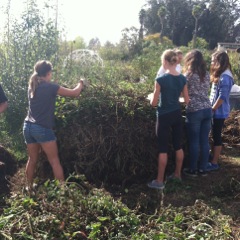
x=198 y=127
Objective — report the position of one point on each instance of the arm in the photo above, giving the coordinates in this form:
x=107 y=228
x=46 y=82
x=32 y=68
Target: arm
x=67 y=92
x=157 y=89
x=224 y=90
x=217 y=104
x=224 y=87
x=160 y=72
x=185 y=94
x=3 y=106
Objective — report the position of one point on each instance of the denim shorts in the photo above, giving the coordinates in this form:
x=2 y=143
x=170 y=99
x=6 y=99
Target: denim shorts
x=34 y=133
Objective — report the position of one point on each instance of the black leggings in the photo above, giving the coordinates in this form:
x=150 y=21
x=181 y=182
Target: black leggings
x=166 y=123
x=217 y=127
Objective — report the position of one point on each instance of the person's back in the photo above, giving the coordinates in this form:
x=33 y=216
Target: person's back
x=171 y=88
x=198 y=113
x=198 y=92
x=169 y=116
x=42 y=105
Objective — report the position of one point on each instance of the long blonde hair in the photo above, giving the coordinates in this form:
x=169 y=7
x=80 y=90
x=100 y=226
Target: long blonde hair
x=41 y=68
x=170 y=56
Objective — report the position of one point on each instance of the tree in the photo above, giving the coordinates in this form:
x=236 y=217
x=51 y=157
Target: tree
x=162 y=11
x=218 y=21
x=130 y=43
x=142 y=15
x=196 y=12
x=28 y=40
x=94 y=44
x=177 y=19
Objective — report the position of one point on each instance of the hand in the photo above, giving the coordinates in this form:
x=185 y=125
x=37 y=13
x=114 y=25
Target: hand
x=150 y=96
x=181 y=99
x=84 y=82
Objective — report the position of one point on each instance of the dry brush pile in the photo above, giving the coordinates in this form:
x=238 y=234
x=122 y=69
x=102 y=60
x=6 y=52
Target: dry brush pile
x=231 y=132
x=109 y=136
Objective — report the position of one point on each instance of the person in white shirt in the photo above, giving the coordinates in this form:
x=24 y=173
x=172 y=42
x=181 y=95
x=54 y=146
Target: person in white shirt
x=161 y=70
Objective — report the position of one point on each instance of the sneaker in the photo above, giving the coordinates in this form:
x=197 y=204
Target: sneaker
x=156 y=185
x=202 y=173
x=212 y=167
x=190 y=172
x=172 y=177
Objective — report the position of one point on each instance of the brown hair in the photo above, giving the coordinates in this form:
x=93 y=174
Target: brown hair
x=194 y=63
x=170 y=56
x=219 y=64
x=178 y=51
x=41 y=69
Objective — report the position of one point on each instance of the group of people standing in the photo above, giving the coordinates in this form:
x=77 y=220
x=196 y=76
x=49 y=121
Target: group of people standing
x=203 y=111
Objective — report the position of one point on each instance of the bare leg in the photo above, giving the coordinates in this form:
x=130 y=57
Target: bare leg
x=162 y=163
x=33 y=151
x=216 y=153
x=179 y=162
x=51 y=150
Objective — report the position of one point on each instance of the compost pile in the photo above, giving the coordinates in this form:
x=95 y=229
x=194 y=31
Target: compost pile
x=110 y=137
x=8 y=166
x=231 y=132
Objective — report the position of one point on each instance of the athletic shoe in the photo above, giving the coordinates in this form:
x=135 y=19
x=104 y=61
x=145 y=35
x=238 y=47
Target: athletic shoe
x=172 y=177
x=156 y=185
x=190 y=172
x=202 y=173
x=212 y=167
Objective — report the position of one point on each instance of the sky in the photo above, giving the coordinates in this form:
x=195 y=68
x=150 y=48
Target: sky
x=104 y=19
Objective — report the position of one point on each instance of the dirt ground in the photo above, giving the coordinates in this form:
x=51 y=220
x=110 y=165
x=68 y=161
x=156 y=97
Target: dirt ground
x=219 y=189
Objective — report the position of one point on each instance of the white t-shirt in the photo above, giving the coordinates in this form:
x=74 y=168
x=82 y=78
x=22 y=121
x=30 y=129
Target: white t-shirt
x=161 y=70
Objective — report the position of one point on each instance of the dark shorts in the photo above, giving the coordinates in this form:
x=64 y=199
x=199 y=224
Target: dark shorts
x=34 y=133
x=166 y=124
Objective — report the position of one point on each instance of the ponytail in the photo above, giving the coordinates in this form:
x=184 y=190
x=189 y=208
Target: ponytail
x=33 y=84
x=41 y=69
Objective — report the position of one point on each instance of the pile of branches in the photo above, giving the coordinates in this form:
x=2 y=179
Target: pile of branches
x=231 y=131
x=108 y=136
x=8 y=166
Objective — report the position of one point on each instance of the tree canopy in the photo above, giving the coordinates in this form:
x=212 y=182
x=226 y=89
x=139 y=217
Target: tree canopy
x=219 y=20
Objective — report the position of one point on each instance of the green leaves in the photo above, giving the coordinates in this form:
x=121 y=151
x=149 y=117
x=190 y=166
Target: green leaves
x=80 y=211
